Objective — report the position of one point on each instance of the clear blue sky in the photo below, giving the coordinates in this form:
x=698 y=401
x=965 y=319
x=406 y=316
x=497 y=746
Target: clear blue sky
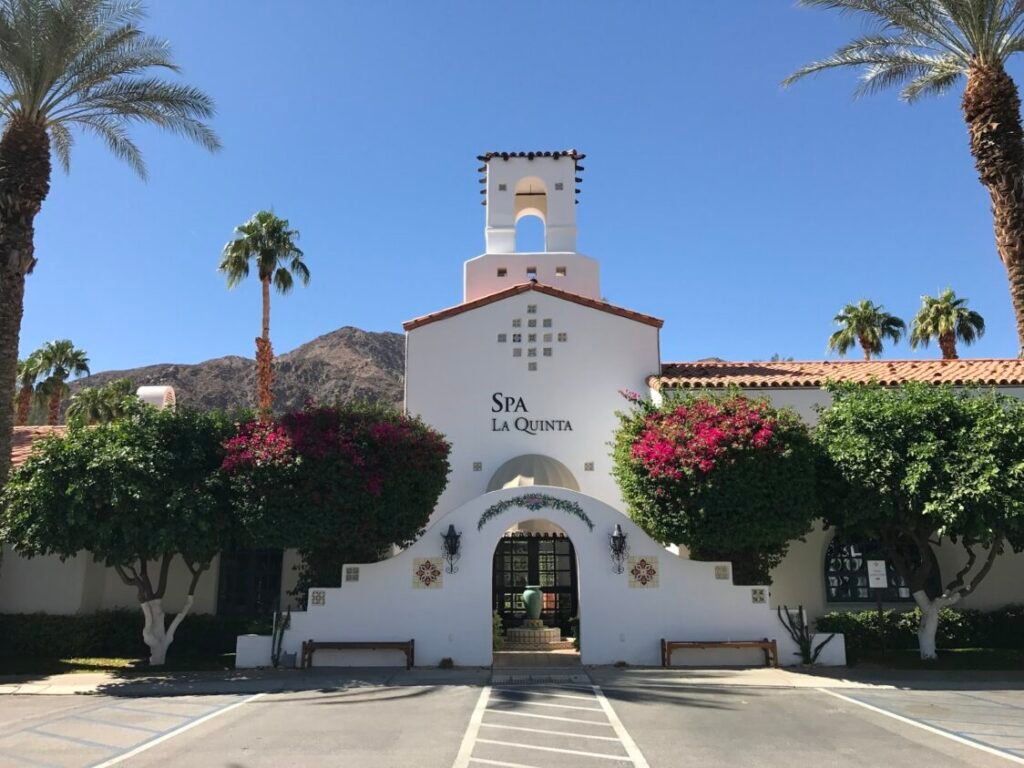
x=743 y=214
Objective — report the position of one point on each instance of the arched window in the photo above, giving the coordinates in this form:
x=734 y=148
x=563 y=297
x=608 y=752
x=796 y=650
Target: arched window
x=846 y=574
x=530 y=235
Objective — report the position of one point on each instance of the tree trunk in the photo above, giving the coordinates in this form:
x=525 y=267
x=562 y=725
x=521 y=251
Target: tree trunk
x=947 y=343
x=53 y=409
x=155 y=632
x=265 y=360
x=24 y=184
x=929 y=625
x=865 y=347
x=24 y=406
x=991 y=106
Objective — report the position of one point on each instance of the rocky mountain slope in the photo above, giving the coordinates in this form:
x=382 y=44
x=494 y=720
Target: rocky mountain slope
x=345 y=365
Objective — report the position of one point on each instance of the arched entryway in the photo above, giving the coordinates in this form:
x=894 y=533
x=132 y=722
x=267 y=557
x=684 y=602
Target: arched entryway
x=536 y=552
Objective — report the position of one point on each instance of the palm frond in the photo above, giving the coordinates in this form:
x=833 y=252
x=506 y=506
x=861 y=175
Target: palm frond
x=87 y=64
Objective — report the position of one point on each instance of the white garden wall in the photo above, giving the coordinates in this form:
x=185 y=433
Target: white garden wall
x=620 y=619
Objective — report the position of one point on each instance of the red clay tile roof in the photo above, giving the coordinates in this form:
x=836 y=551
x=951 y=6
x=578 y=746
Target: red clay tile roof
x=814 y=373
x=486 y=156
x=515 y=290
x=24 y=437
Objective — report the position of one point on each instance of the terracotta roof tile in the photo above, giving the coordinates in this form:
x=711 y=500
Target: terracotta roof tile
x=814 y=373
x=539 y=288
x=25 y=437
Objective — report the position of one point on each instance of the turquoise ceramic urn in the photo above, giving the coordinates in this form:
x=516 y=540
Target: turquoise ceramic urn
x=533 y=598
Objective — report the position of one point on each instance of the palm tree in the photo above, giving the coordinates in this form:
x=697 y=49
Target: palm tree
x=67 y=66
x=946 y=318
x=59 y=361
x=99 y=405
x=267 y=240
x=28 y=375
x=925 y=47
x=866 y=324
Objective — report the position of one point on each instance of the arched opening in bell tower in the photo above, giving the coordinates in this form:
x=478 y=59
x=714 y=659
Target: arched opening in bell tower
x=531 y=212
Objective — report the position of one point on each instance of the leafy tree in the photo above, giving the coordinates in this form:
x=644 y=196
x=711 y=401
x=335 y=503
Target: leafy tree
x=67 y=66
x=343 y=484
x=58 y=361
x=137 y=493
x=925 y=47
x=728 y=477
x=947 y=319
x=865 y=324
x=914 y=464
x=267 y=240
x=99 y=405
x=28 y=375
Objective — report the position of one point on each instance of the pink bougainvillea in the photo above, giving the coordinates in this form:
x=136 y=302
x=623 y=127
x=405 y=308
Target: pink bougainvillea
x=698 y=436
x=258 y=444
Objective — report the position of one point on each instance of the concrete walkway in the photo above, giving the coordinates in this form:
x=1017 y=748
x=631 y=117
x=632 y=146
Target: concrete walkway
x=269 y=680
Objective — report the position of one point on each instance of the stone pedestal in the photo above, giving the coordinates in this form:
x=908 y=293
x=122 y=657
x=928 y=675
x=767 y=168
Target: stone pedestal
x=534 y=636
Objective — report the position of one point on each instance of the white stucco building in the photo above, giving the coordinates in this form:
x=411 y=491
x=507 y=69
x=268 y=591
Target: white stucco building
x=524 y=378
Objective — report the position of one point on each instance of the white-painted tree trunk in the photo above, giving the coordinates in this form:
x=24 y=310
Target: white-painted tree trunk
x=929 y=625
x=155 y=632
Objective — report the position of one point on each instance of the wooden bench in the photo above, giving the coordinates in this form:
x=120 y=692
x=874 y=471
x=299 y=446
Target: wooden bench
x=769 y=647
x=408 y=647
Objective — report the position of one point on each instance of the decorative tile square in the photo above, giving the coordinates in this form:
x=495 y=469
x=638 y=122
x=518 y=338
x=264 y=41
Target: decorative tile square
x=317 y=597
x=759 y=595
x=426 y=572
x=722 y=572
x=643 y=572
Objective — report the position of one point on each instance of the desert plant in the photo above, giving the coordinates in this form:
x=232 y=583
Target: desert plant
x=497 y=632
x=800 y=631
x=281 y=623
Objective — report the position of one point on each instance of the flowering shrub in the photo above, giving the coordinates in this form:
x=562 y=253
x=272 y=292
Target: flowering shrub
x=696 y=436
x=728 y=477
x=342 y=484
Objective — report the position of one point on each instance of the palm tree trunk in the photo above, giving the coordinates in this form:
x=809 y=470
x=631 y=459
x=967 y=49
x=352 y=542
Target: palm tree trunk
x=24 y=406
x=53 y=411
x=991 y=106
x=866 y=347
x=947 y=343
x=265 y=360
x=24 y=184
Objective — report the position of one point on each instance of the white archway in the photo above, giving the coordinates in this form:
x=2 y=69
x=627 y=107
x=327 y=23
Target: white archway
x=623 y=615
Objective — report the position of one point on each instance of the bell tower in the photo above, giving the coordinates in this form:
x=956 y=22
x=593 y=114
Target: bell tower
x=541 y=184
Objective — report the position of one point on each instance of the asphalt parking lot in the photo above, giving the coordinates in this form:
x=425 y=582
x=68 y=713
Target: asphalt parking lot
x=596 y=719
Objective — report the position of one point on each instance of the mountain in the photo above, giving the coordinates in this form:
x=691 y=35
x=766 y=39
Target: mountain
x=345 y=365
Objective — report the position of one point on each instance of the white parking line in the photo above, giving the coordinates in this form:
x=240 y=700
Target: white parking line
x=466 y=748
x=549 y=717
x=488 y=707
x=627 y=741
x=177 y=731
x=545 y=704
x=581 y=753
x=482 y=761
x=553 y=733
x=931 y=729
x=506 y=691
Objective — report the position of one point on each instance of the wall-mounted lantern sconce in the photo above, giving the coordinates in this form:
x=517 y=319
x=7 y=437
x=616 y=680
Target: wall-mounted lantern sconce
x=452 y=548
x=619 y=547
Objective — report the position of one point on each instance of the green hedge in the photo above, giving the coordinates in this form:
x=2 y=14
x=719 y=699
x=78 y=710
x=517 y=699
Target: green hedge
x=112 y=634
x=1001 y=628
